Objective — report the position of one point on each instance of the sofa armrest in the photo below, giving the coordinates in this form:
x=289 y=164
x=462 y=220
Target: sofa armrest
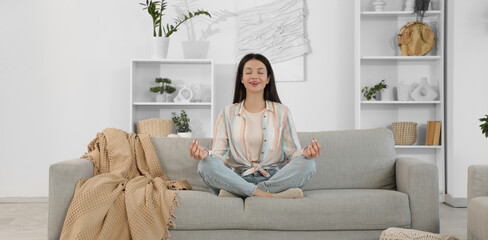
x=477 y=181
x=419 y=180
x=63 y=177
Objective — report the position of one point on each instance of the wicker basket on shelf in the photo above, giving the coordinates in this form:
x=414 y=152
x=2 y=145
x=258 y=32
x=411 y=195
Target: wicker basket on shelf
x=155 y=127
x=405 y=133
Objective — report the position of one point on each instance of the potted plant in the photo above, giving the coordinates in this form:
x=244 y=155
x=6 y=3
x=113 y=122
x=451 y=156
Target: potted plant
x=371 y=92
x=164 y=90
x=162 y=33
x=182 y=124
x=484 y=125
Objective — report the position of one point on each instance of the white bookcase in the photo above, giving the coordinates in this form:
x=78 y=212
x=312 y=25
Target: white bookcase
x=378 y=57
x=195 y=74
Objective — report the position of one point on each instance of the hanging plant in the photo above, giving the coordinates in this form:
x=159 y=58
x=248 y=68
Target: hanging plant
x=484 y=125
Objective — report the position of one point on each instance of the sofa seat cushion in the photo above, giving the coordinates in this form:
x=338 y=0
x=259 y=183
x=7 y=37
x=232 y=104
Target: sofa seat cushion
x=319 y=210
x=205 y=210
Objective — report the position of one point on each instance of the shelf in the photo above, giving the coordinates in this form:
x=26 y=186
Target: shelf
x=397 y=14
x=417 y=147
x=173 y=61
x=403 y=58
x=400 y=102
x=171 y=104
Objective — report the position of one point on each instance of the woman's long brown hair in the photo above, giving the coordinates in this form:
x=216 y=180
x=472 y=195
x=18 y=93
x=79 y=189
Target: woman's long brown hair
x=270 y=92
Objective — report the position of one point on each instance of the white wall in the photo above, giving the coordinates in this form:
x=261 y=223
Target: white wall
x=467 y=86
x=64 y=72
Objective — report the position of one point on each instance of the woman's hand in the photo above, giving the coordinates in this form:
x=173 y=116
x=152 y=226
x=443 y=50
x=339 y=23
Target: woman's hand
x=313 y=150
x=197 y=152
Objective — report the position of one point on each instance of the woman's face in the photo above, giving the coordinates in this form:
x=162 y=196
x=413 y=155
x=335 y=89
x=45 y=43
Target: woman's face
x=255 y=76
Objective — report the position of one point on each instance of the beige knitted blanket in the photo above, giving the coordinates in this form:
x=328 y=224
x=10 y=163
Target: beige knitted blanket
x=128 y=197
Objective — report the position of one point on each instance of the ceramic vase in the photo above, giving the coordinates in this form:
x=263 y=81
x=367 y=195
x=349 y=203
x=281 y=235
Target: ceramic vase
x=403 y=91
x=424 y=92
x=409 y=5
x=379 y=5
x=160 y=47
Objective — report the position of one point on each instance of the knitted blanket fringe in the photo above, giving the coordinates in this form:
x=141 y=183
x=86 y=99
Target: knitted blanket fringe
x=129 y=196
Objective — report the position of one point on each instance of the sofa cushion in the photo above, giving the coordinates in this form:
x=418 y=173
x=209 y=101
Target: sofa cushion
x=204 y=210
x=353 y=159
x=344 y=209
x=176 y=162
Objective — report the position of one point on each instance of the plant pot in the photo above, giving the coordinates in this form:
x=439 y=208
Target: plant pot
x=160 y=47
x=161 y=97
x=185 y=134
x=195 y=49
x=386 y=94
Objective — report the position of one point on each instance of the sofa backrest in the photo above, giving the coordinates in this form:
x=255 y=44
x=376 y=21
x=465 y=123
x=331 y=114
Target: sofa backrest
x=363 y=158
x=350 y=159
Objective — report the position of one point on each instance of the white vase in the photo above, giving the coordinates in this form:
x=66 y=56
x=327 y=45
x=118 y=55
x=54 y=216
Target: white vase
x=403 y=91
x=386 y=94
x=160 y=49
x=185 y=134
x=379 y=5
x=409 y=5
x=195 y=49
x=424 y=92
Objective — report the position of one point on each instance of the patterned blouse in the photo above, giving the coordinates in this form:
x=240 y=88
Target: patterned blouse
x=280 y=140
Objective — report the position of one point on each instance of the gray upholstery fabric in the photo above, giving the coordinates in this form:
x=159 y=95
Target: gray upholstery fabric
x=273 y=235
x=419 y=180
x=63 y=177
x=477 y=181
x=344 y=209
x=477 y=202
x=353 y=159
x=204 y=210
x=174 y=156
x=478 y=218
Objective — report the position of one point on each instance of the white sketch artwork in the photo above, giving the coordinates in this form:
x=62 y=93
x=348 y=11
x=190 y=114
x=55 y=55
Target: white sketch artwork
x=276 y=30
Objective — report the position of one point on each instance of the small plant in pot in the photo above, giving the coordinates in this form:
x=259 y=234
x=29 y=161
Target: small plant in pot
x=164 y=90
x=182 y=124
x=162 y=33
x=484 y=125
x=371 y=92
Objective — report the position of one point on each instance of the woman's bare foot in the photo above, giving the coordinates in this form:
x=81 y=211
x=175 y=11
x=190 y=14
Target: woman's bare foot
x=261 y=193
x=292 y=193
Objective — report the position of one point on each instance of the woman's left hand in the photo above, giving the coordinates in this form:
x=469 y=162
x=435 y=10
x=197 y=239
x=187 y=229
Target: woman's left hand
x=313 y=150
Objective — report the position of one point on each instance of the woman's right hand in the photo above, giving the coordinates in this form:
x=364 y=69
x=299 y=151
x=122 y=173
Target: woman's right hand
x=197 y=152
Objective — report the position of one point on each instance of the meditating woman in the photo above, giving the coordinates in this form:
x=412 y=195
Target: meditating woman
x=256 y=151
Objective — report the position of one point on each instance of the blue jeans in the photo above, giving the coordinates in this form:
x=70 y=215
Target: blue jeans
x=295 y=174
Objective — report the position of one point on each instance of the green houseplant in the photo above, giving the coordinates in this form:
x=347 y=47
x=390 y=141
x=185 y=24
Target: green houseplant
x=161 y=32
x=484 y=125
x=182 y=124
x=156 y=9
x=163 y=90
x=370 y=92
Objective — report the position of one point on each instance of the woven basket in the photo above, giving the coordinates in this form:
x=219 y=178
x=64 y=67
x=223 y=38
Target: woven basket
x=405 y=133
x=155 y=127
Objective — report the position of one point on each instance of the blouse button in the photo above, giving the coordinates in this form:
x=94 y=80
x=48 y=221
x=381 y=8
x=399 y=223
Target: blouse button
x=265 y=140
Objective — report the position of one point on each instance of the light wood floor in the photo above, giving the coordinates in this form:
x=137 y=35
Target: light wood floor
x=29 y=221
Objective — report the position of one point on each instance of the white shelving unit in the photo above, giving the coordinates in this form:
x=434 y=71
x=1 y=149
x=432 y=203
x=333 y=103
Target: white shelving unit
x=196 y=74
x=378 y=57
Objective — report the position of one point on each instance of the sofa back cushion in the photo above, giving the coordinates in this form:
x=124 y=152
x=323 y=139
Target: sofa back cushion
x=350 y=159
x=174 y=156
x=363 y=158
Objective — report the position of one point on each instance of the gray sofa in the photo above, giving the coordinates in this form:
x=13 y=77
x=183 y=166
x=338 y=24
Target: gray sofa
x=478 y=202
x=360 y=188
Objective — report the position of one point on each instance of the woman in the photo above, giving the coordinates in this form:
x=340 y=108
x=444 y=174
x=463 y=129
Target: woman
x=255 y=148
